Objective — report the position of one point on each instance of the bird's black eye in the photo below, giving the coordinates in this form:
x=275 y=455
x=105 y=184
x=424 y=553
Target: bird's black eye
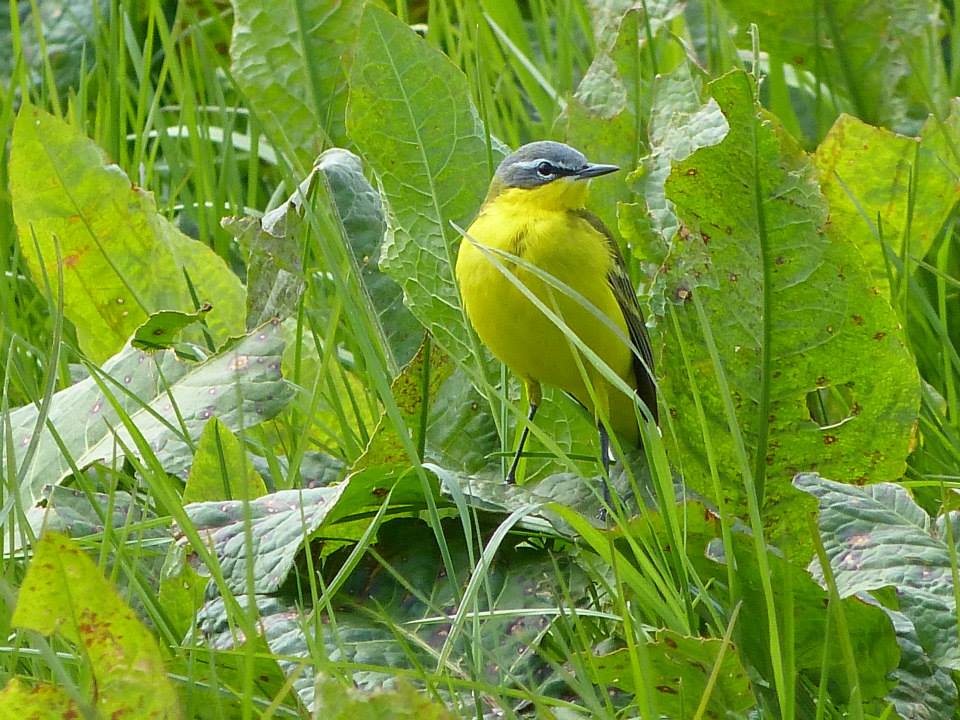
x=545 y=169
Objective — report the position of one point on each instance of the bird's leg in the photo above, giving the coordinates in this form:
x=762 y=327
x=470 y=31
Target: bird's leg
x=534 y=396
x=605 y=459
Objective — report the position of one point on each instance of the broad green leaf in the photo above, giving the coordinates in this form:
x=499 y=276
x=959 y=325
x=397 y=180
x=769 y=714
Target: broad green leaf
x=924 y=688
x=680 y=124
x=64 y=592
x=604 y=118
x=608 y=15
x=801 y=605
x=282 y=522
x=397 y=607
x=289 y=60
x=41 y=700
x=881 y=56
x=681 y=667
x=361 y=212
x=82 y=416
x=68 y=30
x=335 y=701
x=419 y=382
x=160 y=330
x=274 y=247
x=866 y=174
x=412 y=118
x=275 y=251
x=461 y=432
x=242 y=386
x=581 y=494
x=121 y=259
x=221 y=469
x=876 y=536
x=828 y=329
x=77 y=514
x=607 y=116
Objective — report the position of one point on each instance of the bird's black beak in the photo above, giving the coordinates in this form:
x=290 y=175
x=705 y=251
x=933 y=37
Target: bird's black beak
x=592 y=171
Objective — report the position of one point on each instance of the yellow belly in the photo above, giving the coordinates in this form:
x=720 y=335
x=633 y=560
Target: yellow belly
x=520 y=334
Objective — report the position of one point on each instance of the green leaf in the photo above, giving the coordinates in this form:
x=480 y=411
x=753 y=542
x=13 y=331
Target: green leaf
x=221 y=469
x=121 y=259
x=68 y=30
x=580 y=494
x=274 y=251
x=603 y=118
x=461 y=432
x=924 y=688
x=681 y=667
x=78 y=514
x=289 y=60
x=419 y=381
x=334 y=700
x=881 y=56
x=828 y=329
x=360 y=209
x=64 y=592
x=41 y=701
x=411 y=115
x=160 y=330
x=281 y=522
x=242 y=386
x=397 y=607
x=866 y=175
x=801 y=604
x=876 y=536
x=680 y=124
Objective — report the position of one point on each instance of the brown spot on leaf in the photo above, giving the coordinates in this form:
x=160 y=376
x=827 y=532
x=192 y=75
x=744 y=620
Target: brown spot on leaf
x=857 y=319
x=829 y=439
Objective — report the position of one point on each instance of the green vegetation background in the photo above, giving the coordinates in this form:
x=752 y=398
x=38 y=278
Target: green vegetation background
x=252 y=453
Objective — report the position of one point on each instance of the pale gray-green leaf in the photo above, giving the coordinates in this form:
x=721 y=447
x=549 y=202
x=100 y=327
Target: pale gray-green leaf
x=876 y=536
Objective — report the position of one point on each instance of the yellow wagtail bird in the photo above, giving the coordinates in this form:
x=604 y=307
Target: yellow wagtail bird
x=535 y=210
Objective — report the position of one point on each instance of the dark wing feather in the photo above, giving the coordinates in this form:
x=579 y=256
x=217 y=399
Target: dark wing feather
x=627 y=300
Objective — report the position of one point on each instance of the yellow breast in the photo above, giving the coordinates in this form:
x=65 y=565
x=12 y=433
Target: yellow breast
x=547 y=235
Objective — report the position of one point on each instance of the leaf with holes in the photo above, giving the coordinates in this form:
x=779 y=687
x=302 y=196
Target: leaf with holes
x=160 y=330
x=77 y=513
x=750 y=205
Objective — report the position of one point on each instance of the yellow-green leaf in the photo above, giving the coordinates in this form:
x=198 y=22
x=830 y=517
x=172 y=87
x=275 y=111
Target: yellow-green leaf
x=65 y=593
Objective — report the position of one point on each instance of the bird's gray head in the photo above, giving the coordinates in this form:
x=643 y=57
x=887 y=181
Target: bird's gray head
x=539 y=163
